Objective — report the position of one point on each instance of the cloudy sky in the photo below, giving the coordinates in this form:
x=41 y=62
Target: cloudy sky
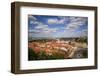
x=57 y=26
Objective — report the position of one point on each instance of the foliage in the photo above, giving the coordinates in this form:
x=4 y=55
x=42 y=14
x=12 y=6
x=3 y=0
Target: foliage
x=31 y=54
x=55 y=56
x=81 y=40
x=85 y=54
x=42 y=55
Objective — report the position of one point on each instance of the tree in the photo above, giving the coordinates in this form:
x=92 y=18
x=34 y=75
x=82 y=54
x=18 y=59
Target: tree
x=31 y=54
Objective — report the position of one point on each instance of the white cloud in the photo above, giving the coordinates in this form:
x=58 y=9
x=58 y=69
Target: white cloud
x=45 y=29
x=50 y=30
x=33 y=20
x=42 y=30
x=75 y=23
x=56 y=21
x=46 y=32
x=33 y=31
x=84 y=32
x=66 y=33
x=52 y=21
x=70 y=33
x=32 y=17
x=41 y=26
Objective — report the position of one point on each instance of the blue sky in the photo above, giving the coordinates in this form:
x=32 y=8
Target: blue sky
x=57 y=26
